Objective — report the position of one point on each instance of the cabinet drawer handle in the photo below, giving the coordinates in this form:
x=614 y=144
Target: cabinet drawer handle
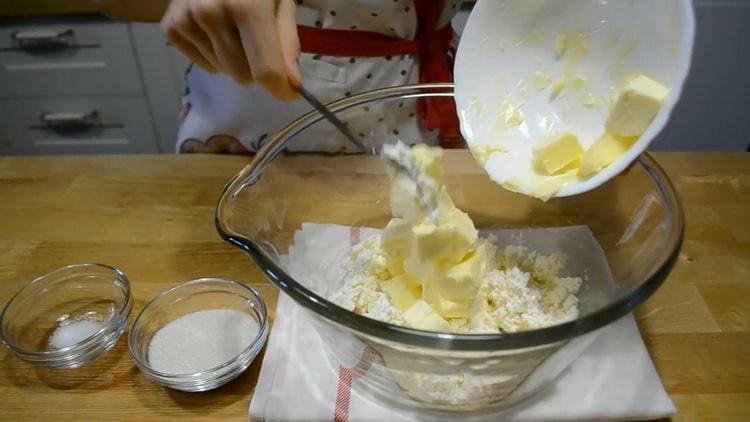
x=70 y=120
x=44 y=39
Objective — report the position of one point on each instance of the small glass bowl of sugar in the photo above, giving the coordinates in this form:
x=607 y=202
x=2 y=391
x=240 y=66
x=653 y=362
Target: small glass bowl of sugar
x=69 y=317
x=199 y=335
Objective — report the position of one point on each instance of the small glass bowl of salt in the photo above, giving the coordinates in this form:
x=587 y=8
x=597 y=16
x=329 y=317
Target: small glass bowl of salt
x=68 y=317
x=199 y=335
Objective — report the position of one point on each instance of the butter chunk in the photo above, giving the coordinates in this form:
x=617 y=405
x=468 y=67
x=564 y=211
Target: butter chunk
x=396 y=243
x=454 y=309
x=559 y=152
x=423 y=316
x=433 y=322
x=401 y=292
x=549 y=186
x=634 y=106
x=464 y=234
x=603 y=152
x=421 y=270
x=429 y=241
x=450 y=240
x=429 y=160
x=404 y=203
x=461 y=281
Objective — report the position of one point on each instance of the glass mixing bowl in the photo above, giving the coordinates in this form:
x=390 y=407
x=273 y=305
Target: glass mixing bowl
x=635 y=219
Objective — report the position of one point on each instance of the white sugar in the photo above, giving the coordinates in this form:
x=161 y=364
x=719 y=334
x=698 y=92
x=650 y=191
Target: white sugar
x=72 y=332
x=201 y=340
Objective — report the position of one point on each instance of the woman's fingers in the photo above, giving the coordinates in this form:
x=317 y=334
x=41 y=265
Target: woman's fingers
x=189 y=50
x=259 y=32
x=180 y=18
x=224 y=39
x=248 y=39
x=287 y=26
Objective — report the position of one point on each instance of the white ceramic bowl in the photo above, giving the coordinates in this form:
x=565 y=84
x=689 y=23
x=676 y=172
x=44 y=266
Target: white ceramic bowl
x=506 y=42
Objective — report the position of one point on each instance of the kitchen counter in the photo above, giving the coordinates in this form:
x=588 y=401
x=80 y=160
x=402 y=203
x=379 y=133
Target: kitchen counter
x=152 y=216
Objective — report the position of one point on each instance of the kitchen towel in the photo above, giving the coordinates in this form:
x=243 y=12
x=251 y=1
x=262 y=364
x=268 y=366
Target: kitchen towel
x=613 y=379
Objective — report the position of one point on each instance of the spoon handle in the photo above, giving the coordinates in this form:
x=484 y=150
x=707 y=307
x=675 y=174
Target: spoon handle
x=328 y=114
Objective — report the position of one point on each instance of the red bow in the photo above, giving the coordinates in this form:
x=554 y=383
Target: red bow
x=431 y=46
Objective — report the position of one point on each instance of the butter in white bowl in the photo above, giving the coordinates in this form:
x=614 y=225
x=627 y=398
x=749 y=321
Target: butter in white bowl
x=532 y=75
x=634 y=105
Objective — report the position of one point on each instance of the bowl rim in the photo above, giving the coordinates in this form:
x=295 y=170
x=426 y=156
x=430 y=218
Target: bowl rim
x=448 y=341
x=174 y=380
x=112 y=324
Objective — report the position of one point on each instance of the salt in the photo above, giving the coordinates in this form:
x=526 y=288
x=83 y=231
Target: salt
x=69 y=333
x=201 y=340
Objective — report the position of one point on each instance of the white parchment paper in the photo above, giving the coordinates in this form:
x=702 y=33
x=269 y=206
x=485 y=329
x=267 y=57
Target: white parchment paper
x=597 y=371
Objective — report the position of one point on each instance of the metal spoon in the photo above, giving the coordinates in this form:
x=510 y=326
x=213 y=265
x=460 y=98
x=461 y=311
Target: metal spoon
x=328 y=114
x=425 y=189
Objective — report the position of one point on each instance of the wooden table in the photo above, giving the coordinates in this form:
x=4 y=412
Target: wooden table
x=152 y=217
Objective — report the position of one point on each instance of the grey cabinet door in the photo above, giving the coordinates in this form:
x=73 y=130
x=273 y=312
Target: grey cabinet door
x=163 y=71
x=3 y=144
x=79 y=125
x=62 y=58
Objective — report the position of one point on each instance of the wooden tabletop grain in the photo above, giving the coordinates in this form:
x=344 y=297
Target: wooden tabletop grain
x=152 y=216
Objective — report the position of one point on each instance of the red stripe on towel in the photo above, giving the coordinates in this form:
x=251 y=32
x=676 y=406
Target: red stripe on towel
x=344 y=385
x=354 y=235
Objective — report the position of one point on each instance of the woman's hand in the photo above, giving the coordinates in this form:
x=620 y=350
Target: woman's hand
x=251 y=40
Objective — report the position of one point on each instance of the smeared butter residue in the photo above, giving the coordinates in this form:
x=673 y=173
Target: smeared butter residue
x=483 y=152
x=534 y=37
x=592 y=101
x=521 y=88
x=560 y=44
x=577 y=45
x=578 y=81
x=573 y=47
x=557 y=87
x=623 y=53
x=541 y=80
x=476 y=104
x=510 y=113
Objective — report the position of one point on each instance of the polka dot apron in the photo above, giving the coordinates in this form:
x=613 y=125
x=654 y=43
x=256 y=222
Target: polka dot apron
x=222 y=116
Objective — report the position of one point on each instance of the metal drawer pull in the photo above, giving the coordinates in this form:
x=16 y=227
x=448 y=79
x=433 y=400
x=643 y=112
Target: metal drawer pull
x=69 y=120
x=44 y=39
